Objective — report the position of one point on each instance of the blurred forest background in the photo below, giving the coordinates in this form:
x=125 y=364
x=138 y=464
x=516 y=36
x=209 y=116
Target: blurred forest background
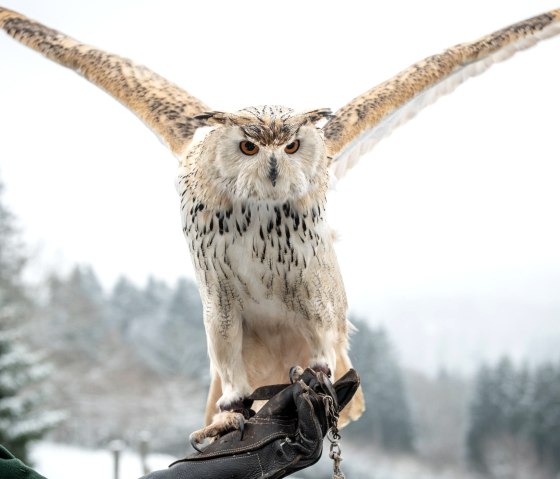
x=82 y=365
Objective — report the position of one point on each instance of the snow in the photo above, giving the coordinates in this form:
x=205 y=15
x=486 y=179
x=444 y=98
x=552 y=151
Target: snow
x=59 y=461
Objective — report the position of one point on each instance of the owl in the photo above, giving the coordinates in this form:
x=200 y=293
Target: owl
x=252 y=187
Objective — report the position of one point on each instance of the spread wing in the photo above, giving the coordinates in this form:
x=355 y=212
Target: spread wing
x=164 y=107
x=358 y=126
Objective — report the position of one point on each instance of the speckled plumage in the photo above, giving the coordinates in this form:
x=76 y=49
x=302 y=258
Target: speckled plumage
x=266 y=268
x=255 y=225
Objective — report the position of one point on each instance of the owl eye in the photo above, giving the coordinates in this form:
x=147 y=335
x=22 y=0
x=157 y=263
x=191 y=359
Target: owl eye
x=292 y=147
x=248 y=148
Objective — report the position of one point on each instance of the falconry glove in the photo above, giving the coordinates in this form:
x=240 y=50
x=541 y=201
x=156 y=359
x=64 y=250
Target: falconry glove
x=285 y=436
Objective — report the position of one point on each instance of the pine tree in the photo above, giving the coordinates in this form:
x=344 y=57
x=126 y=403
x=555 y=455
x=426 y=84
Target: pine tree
x=140 y=317
x=126 y=303
x=483 y=413
x=21 y=420
x=184 y=332
x=502 y=418
x=387 y=418
x=21 y=372
x=162 y=325
x=74 y=318
x=546 y=415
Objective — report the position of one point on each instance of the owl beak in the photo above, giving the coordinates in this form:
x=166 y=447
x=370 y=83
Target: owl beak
x=273 y=169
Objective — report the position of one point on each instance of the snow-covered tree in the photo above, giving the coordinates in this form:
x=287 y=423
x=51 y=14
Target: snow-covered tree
x=439 y=408
x=126 y=304
x=184 y=331
x=162 y=325
x=515 y=421
x=21 y=417
x=73 y=319
x=545 y=425
x=21 y=371
x=387 y=419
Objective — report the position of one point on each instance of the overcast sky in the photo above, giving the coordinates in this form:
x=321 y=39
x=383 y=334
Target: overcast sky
x=461 y=202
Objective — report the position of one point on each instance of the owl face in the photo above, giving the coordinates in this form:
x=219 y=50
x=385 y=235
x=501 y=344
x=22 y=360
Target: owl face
x=269 y=153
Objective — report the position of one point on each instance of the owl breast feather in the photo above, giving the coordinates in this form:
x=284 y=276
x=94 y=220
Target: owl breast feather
x=255 y=250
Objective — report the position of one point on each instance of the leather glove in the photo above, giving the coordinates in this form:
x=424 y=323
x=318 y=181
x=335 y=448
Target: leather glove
x=285 y=436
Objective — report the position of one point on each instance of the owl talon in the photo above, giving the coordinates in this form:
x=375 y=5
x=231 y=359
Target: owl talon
x=322 y=368
x=223 y=422
x=295 y=373
x=194 y=442
x=241 y=426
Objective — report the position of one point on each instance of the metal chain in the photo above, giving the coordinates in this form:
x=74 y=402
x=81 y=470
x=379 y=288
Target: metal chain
x=336 y=456
x=334 y=437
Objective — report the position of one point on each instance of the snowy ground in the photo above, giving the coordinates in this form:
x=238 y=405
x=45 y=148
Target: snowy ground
x=57 y=461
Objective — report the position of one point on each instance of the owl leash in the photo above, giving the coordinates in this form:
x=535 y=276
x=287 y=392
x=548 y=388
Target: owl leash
x=336 y=455
x=335 y=452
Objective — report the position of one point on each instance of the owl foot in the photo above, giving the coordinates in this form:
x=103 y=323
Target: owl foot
x=222 y=423
x=322 y=368
x=295 y=373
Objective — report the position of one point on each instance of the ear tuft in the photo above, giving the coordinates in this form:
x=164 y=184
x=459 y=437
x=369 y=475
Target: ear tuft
x=314 y=116
x=204 y=116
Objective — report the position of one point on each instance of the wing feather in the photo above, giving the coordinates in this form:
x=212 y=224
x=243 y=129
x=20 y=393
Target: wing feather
x=357 y=127
x=167 y=109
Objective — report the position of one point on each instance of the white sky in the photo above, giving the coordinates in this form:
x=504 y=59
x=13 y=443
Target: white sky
x=462 y=202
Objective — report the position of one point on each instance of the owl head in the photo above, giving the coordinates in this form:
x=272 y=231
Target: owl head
x=265 y=153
